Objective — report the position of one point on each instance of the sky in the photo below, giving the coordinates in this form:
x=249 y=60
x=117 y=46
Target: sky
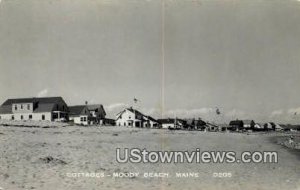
x=179 y=58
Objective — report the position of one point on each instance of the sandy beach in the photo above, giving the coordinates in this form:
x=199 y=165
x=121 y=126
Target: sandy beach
x=43 y=158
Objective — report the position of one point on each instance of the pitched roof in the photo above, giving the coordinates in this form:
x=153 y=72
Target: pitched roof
x=43 y=100
x=138 y=113
x=44 y=108
x=94 y=107
x=236 y=122
x=77 y=110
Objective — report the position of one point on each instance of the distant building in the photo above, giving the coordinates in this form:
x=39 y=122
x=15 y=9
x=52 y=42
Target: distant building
x=97 y=114
x=248 y=124
x=196 y=124
x=47 y=108
x=80 y=115
x=109 y=122
x=236 y=125
x=133 y=118
x=172 y=123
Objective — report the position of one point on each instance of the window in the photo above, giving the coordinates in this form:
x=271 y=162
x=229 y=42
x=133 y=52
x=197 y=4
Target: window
x=30 y=116
x=22 y=117
x=124 y=123
x=43 y=117
x=81 y=118
x=0 y=117
x=21 y=106
x=84 y=119
x=16 y=107
x=12 y=117
x=28 y=106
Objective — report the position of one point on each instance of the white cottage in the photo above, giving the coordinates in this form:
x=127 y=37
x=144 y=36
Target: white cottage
x=80 y=115
x=132 y=118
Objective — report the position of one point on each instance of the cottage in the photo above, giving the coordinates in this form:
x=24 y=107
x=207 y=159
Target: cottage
x=97 y=114
x=248 y=124
x=172 y=123
x=195 y=124
x=46 y=108
x=270 y=126
x=133 y=118
x=80 y=115
x=236 y=125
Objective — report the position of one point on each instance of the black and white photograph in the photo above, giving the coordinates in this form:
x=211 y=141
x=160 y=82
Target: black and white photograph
x=149 y=94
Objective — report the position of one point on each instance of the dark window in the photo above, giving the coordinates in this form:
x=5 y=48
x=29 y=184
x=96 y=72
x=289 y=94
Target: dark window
x=28 y=106
x=21 y=106
x=16 y=107
x=84 y=119
x=43 y=117
x=124 y=123
x=12 y=117
x=21 y=117
x=30 y=117
x=81 y=119
x=0 y=117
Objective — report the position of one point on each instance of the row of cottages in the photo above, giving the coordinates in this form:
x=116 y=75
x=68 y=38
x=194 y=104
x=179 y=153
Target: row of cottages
x=51 y=109
x=87 y=114
x=237 y=125
x=132 y=118
x=48 y=108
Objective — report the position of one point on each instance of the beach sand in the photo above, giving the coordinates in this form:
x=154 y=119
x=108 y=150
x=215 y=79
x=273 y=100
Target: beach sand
x=42 y=158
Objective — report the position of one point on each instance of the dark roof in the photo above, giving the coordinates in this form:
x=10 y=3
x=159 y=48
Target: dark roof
x=236 y=122
x=44 y=100
x=197 y=122
x=44 y=108
x=45 y=104
x=151 y=118
x=94 y=107
x=77 y=110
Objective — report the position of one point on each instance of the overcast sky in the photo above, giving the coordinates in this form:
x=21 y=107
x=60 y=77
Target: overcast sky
x=242 y=56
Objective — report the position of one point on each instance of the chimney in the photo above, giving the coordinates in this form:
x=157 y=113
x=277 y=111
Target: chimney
x=86 y=102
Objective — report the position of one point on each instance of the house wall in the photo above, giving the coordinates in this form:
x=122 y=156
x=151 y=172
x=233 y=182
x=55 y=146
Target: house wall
x=127 y=118
x=80 y=120
x=22 y=108
x=150 y=124
x=168 y=125
x=35 y=116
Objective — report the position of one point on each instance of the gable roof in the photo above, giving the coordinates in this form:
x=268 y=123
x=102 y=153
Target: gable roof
x=94 y=107
x=237 y=122
x=78 y=110
x=44 y=104
x=138 y=114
